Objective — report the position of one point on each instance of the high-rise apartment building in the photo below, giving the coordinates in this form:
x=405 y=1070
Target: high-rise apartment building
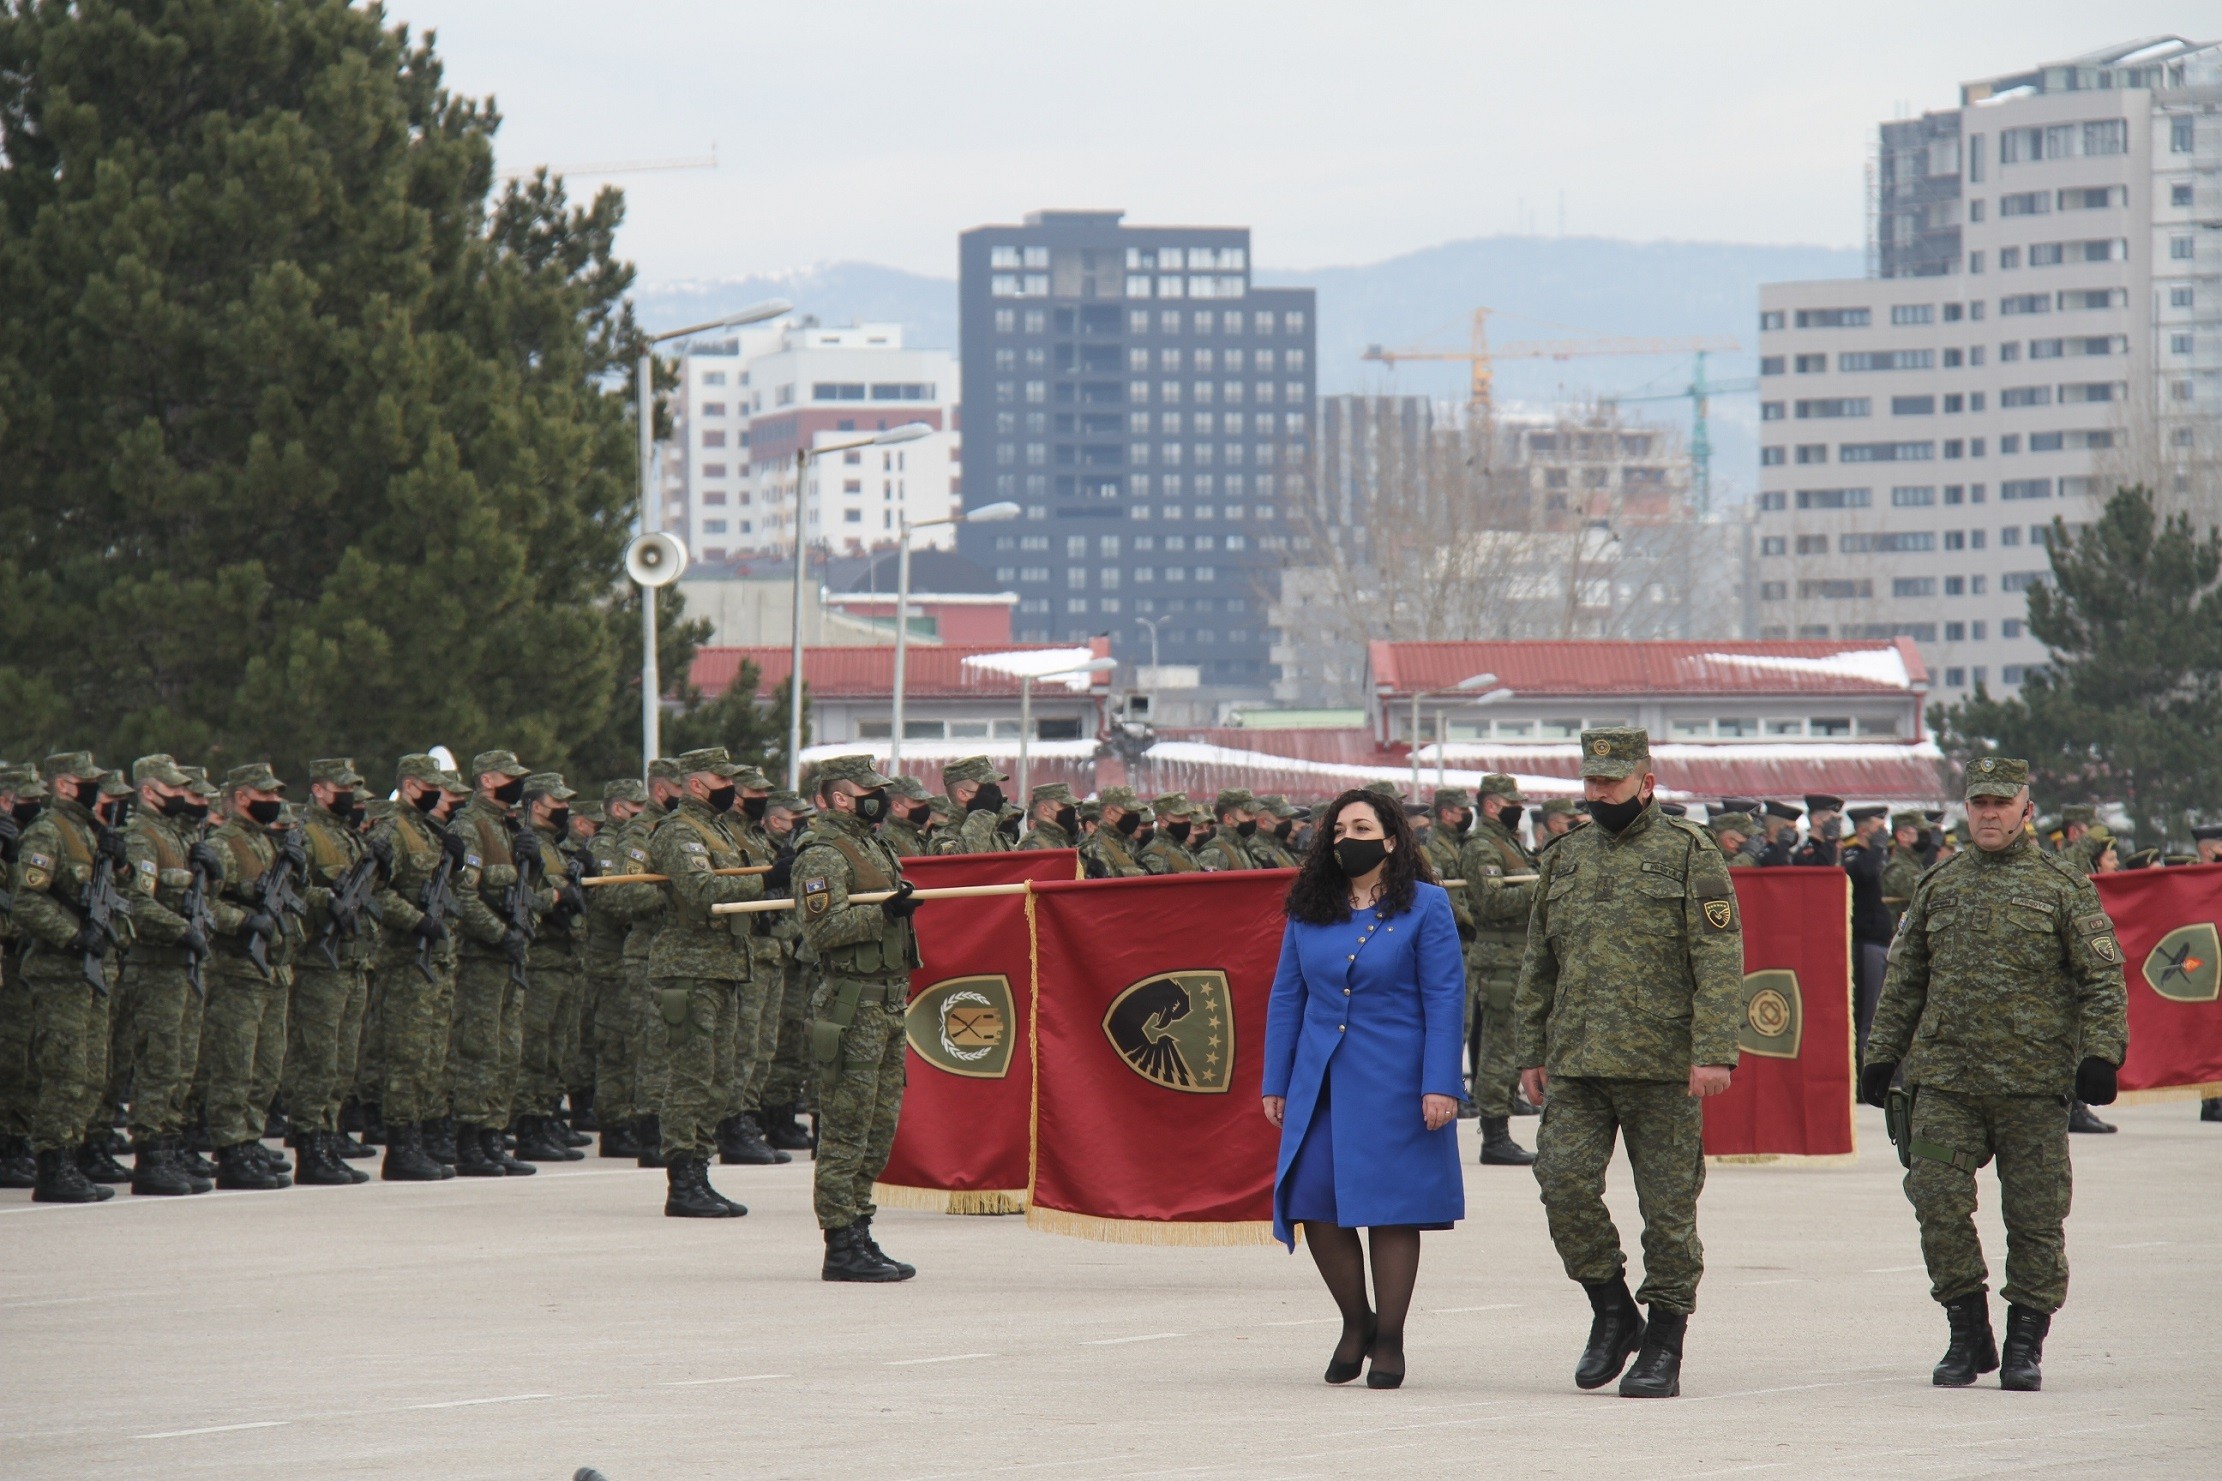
x=1150 y=408
x=2046 y=323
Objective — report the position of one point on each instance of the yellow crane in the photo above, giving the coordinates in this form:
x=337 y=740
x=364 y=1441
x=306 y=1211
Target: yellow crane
x=1480 y=356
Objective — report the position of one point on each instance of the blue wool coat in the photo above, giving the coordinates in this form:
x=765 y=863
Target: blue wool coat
x=1384 y=1002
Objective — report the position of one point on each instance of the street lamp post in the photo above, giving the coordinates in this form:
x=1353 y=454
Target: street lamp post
x=1470 y=682
x=989 y=513
x=907 y=432
x=651 y=509
x=1026 y=710
x=1152 y=624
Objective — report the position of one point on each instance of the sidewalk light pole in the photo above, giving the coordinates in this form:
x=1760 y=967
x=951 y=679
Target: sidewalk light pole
x=1026 y=709
x=1465 y=685
x=989 y=513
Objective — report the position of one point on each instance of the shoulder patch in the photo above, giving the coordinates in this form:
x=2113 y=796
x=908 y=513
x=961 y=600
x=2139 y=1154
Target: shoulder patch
x=693 y=845
x=2094 y=925
x=1720 y=914
x=39 y=861
x=638 y=856
x=473 y=861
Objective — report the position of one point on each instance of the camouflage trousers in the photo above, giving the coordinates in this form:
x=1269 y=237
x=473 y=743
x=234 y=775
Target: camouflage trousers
x=162 y=1041
x=68 y=1056
x=18 y=1086
x=578 y=1038
x=242 y=1049
x=1489 y=1006
x=123 y=987
x=698 y=1016
x=614 y=1037
x=1664 y=1127
x=487 y=1044
x=787 y=1078
x=756 y=1025
x=551 y=1021
x=652 y=1056
x=367 y=1080
x=415 y=1018
x=2028 y=1136
x=322 y=1031
x=860 y=1094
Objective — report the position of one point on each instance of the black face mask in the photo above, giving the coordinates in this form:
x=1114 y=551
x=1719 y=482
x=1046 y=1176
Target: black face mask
x=1129 y=824
x=755 y=807
x=198 y=809
x=872 y=806
x=265 y=810
x=1614 y=816
x=559 y=821
x=508 y=792
x=1359 y=856
x=919 y=816
x=177 y=807
x=1248 y=828
x=720 y=798
x=1509 y=815
x=988 y=799
x=1180 y=831
x=428 y=800
x=343 y=804
x=25 y=812
x=1284 y=828
x=1067 y=820
x=1465 y=821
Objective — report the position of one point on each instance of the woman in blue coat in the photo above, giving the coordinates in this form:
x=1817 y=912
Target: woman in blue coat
x=1362 y=1043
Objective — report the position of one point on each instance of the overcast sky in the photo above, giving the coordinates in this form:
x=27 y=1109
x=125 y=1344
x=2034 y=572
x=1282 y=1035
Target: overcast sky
x=1342 y=133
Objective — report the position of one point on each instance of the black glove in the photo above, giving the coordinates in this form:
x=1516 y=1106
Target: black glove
x=429 y=929
x=194 y=941
x=516 y=946
x=571 y=899
x=381 y=849
x=90 y=939
x=295 y=847
x=112 y=848
x=2094 y=1083
x=782 y=874
x=900 y=905
x=207 y=858
x=1874 y=1082
x=263 y=924
x=456 y=850
x=1465 y=932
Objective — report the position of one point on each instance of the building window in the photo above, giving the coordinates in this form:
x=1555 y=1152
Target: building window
x=1770 y=365
x=1774 y=591
x=1769 y=319
x=1770 y=411
x=1833 y=318
x=1812 y=364
x=1835 y=406
x=1813 y=452
x=1914 y=497
x=1913 y=406
x=1769 y=457
x=1913 y=313
x=1913 y=586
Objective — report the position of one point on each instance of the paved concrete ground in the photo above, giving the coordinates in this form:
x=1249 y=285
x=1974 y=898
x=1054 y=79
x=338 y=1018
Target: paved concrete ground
x=526 y=1327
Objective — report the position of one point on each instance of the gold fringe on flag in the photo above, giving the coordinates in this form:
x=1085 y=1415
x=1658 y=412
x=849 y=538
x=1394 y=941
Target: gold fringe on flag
x=1148 y=1231
x=1798 y=1159
x=950 y=1200
x=2171 y=1092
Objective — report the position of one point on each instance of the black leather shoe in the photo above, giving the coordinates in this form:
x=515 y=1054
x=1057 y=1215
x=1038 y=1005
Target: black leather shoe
x=60 y=1180
x=1973 y=1349
x=1614 y=1332
x=2080 y=1118
x=783 y=1131
x=2021 y=1368
x=1657 y=1370
x=406 y=1160
x=849 y=1258
x=689 y=1195
x=94 y=1161
x=237 y=1168
x=1498 y=1149
x=1339 y=1371
x=153 y=1175
x=1383 y=1373
x=864 y=1232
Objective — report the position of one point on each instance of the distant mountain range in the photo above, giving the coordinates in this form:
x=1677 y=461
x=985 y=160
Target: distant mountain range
x=1537 y=287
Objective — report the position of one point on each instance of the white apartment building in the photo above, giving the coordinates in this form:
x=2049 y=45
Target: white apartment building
x=745 y=402
x=2043 y=321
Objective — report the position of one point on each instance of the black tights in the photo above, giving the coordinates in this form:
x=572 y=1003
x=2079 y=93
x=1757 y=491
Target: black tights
x=1342 y=1264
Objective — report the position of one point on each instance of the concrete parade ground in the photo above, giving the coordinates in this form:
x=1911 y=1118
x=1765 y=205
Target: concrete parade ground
x=526 y=1327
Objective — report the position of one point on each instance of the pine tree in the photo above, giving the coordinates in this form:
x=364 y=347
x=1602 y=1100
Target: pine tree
x=2128 y=707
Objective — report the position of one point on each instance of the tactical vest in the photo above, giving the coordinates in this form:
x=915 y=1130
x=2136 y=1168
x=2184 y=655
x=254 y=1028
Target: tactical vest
x=896 y=950
x=1512 y=859
x=330 y=857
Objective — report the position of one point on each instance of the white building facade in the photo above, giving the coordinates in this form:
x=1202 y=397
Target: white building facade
x=2044 y=322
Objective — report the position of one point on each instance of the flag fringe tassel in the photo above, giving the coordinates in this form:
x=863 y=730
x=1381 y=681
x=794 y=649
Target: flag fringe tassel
x=950 y=1200
x=1785 y=1159
x=2166 y=1093
x=1148 y=1231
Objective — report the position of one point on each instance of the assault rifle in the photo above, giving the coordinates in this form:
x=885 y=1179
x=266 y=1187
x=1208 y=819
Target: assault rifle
x=9 y=833
x=354 y=896
x=516 y=900
x=104 y=903
x=436 y=901
x=276 y=897
x=206 y=868
x=579 y=866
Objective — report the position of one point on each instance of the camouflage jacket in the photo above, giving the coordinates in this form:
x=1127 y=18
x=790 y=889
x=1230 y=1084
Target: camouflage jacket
x=689 y=845
x=1224 y=851
x=334 y=846
x=415 y=841
x=54 y=864
x=249 y=851
x=1901 y=872
x=1441 y=852
x=2005 y=975
x=1165 y=854
x=610 y=908
x=651 y=905
x=841 y=856
x=902 y=838
x=1500 y=911
x=1109 y=854
x=1045 y=835
x=975 y=833
x=485 y=875
x=159 y=848
x=558 y=940
x=1270 y=853
x=1635 y=957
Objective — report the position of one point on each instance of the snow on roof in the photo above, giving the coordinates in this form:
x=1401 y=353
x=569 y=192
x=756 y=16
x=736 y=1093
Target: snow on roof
x=943 y=751
x=1201 y=753
x=1872 y=665
x=1039 y=663
x=1818 y=753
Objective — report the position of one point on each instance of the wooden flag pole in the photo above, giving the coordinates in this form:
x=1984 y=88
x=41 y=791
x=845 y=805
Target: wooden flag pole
x=874 y=897
x=666 y=879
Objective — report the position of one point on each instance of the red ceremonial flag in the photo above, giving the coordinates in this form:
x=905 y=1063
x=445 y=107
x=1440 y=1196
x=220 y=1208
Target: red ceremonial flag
x=1150 y=1038
x=961 y=1144
x=2165 y=922
x=1791 y=1095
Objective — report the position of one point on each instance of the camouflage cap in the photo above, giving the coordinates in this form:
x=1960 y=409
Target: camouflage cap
x=255 y=774
x=1233 y=799
x=664 y=768
x=1730 y=822
x=1170 y=805
x=1091 y=812
x=505 y=762
x=378 y=809
x=115 y=784
x=75 y=764
x=1451 y=797
x=971 y=769
x=549 y=783
x=1051 y=792
x=941 y=807
x=2079 y=812
x=752 y=778
x=791 y=802
x=859 y=769
x=196 y=777
x=589 y=812
x=338 y=770
x=715 y=760
x=1385 y=789
x=625 y=789
x=23 y=780
x=909 y=788
x=1561 y=807
x=1497 y=784
x=159 y=768
x=1996 y=776
x=1279 y=806
x=1613 y=752
x=1909 y=819
x=425 y=768
x=1125 y=798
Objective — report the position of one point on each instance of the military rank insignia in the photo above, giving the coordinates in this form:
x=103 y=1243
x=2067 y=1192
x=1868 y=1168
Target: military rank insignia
x=817 y=896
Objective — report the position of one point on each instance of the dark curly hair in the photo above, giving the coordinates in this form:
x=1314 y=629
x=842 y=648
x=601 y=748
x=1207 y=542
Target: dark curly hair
x=1321 y=894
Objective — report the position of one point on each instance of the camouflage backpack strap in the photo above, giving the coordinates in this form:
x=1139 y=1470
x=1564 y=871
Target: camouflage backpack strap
x=716 y=841
x=865 y=871
x=328 y=855
x=77 y=844
x=248 y=862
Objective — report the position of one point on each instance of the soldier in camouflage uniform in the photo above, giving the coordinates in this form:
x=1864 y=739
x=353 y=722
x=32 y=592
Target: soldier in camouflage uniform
x=616 y=1006
x=1557 y=817
x=492 y=968
x=587 y=819
x=416 y=965
x=653 y=1076
x=1228 y=846
x=153 y=1039
x=1167 y=850
x=2004 y=997
x=1053 y=818
x=1109 y=851
x=1626 y=1016
x=1269 y=846
x=1730 y=830
x=941 y=816
x=56 y=861
x=1491 y=856
x=22 y=797
x=741 y=1141
x=786 y=1075
x=328 y=1001
x=1903 y=868
x=698 y=967
x=905 y=828
x=975 y=788
x=556 y=971
x=856 y=1033
x=361 y=1112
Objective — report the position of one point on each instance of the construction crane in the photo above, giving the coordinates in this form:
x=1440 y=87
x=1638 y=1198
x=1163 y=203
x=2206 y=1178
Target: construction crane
x=1698 y=392
x=1480 y=356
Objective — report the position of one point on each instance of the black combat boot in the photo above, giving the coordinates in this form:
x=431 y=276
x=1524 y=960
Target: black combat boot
x=783 y=1131
x=349 y=1148
x=1498 y=1149
x=761 y=1120
x=471 y=1159
x=742 y=1144
x=406 y=1160
x=2210 y=1109
x=650 y=1138
x=536 y=1141
x=18 y=1169
x=617 y=1139
x=174 y=1153
x=1973 y=1349
x=237 y=1168
x=440 y=1140
x=849 y=1258
x=98 y=1166
x=689 y=1194
x=373 y=1130
x=274 y=1126
x=565 y=1135
x=499 y=1155
x=1613 y=1332
x=2025 y=1349
x=1657 y=1370
x=315 y=1165
x=154 y=1175
x=59 y=1180
x=335 y=1144
x=272 y=1160
x=905 y=1270
x=582 y=1112
x=2081 y=1118
x=1522 y=1106
x=193 y=1162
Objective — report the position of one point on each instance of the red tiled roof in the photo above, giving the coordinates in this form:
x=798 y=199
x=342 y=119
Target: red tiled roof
x=861 y=673
x=1594 y=667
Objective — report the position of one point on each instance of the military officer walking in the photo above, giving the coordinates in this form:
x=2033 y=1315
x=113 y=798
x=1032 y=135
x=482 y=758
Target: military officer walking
x=1498 y=910
x=1626 y=1017
x=2004 y=998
